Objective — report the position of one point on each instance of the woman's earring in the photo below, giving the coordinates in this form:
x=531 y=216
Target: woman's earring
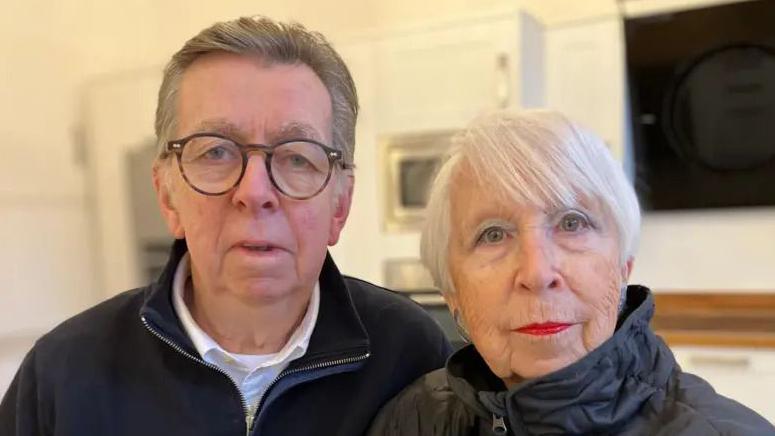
x=461 y=330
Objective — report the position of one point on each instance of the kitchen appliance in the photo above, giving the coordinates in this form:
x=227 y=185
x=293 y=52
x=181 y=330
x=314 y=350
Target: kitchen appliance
x=409 y=277
x=410 y=162
x=702 y=89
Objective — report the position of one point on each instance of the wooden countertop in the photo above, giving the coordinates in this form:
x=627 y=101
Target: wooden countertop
x=725 y=319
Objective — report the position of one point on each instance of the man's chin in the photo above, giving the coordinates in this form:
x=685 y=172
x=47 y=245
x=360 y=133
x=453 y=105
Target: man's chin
x=265 y=290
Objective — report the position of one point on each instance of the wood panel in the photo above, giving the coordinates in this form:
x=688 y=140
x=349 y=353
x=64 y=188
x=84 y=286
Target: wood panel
x=729 y=319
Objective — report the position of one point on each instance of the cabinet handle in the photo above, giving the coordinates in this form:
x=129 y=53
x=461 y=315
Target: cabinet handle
x=737 y=362
x=429 y=300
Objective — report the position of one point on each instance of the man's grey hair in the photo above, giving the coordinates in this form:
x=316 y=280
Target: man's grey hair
x=536 y=157
x=273 y=42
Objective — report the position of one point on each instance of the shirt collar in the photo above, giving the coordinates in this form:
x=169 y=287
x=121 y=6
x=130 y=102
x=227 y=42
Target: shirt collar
x=212 y=352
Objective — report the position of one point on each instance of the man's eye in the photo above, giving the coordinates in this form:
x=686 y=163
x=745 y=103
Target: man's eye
x=216 y=153
x=492 y=235
x=573 y=222
x=298 y=161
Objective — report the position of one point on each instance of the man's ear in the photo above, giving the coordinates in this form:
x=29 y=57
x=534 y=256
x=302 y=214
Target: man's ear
x=161 y=185
x=341 y=209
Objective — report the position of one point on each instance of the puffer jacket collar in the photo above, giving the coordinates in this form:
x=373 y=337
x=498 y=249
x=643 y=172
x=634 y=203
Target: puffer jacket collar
x=597 y=394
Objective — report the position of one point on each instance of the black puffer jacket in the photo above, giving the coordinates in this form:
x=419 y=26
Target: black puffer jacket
x=630 y=385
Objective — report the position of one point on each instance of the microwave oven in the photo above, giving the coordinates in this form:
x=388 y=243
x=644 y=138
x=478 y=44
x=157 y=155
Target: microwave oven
x=409 y=165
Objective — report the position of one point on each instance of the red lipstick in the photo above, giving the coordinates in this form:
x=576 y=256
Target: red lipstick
x=542 y=329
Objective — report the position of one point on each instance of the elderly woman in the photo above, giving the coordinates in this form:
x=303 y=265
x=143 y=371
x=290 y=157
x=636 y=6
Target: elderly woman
x=532 y=227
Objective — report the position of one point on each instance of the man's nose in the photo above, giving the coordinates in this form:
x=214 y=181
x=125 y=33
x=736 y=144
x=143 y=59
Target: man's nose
x=256 y=191
x=536 y=263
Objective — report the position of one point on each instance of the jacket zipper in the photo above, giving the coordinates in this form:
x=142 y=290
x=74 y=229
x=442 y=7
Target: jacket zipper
x=499 y=425
x=250 y=416
x=319 y=365
x=176 y=347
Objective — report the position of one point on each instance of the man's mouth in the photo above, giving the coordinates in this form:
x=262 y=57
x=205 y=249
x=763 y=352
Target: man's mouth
x=257 y=247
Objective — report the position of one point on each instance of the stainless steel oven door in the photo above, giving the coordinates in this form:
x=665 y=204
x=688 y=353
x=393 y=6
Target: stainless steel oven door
x=409 y=277
x=409 y=164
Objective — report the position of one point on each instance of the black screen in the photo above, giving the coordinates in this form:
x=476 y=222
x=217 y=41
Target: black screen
x=702 y=88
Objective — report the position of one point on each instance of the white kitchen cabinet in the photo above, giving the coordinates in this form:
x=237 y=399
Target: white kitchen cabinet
x=364 y=246
x=440 y=77
x=360 y=249
x=585 y=77
x=435 y=76
x=119 y=115
x=743 y=374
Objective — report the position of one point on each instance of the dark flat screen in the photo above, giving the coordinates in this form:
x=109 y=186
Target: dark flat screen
x=702 y=89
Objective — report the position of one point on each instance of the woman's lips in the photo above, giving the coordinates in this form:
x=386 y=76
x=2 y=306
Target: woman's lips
x=542 y=329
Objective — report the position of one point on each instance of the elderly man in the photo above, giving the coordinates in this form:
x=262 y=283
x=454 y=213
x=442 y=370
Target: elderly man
x=251 y=329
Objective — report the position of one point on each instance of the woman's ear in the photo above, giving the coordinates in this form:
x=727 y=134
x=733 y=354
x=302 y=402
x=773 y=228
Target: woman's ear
x=451 y=299
x=163 y=188
x=627 y=269
x=454 y=309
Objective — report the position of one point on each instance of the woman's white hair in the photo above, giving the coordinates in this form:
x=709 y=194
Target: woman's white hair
x=534 y=157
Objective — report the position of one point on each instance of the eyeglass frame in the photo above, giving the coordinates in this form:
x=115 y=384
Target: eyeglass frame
x=334 y=156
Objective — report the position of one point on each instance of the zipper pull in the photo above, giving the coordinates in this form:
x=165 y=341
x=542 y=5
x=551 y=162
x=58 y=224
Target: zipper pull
x=248 y=423
x=499 y=425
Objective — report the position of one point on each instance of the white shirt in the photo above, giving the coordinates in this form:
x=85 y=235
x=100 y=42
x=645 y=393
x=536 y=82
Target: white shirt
x=251 y=373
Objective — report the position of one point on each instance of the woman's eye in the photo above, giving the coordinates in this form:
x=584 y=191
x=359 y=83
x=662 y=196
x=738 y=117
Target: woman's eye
x=573 y=222
x=492 y=235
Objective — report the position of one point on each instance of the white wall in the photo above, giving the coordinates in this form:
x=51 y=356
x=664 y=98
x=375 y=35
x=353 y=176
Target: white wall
x=712 y=250
x=45 y=261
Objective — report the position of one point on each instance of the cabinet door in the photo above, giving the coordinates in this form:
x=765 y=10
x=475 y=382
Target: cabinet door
x=119 y=116
x=442 y=77
x=745 y=375
x=360 y=249
x=586 y=77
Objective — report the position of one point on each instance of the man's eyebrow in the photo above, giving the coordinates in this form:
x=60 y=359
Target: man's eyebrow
x=294 y=130
x=221 y=126
x=290 y=130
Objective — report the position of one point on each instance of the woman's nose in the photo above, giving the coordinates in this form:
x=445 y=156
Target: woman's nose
x=536 y=265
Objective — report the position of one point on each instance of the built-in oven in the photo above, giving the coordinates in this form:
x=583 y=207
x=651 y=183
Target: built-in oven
x=410 y=278
x=409 y=164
